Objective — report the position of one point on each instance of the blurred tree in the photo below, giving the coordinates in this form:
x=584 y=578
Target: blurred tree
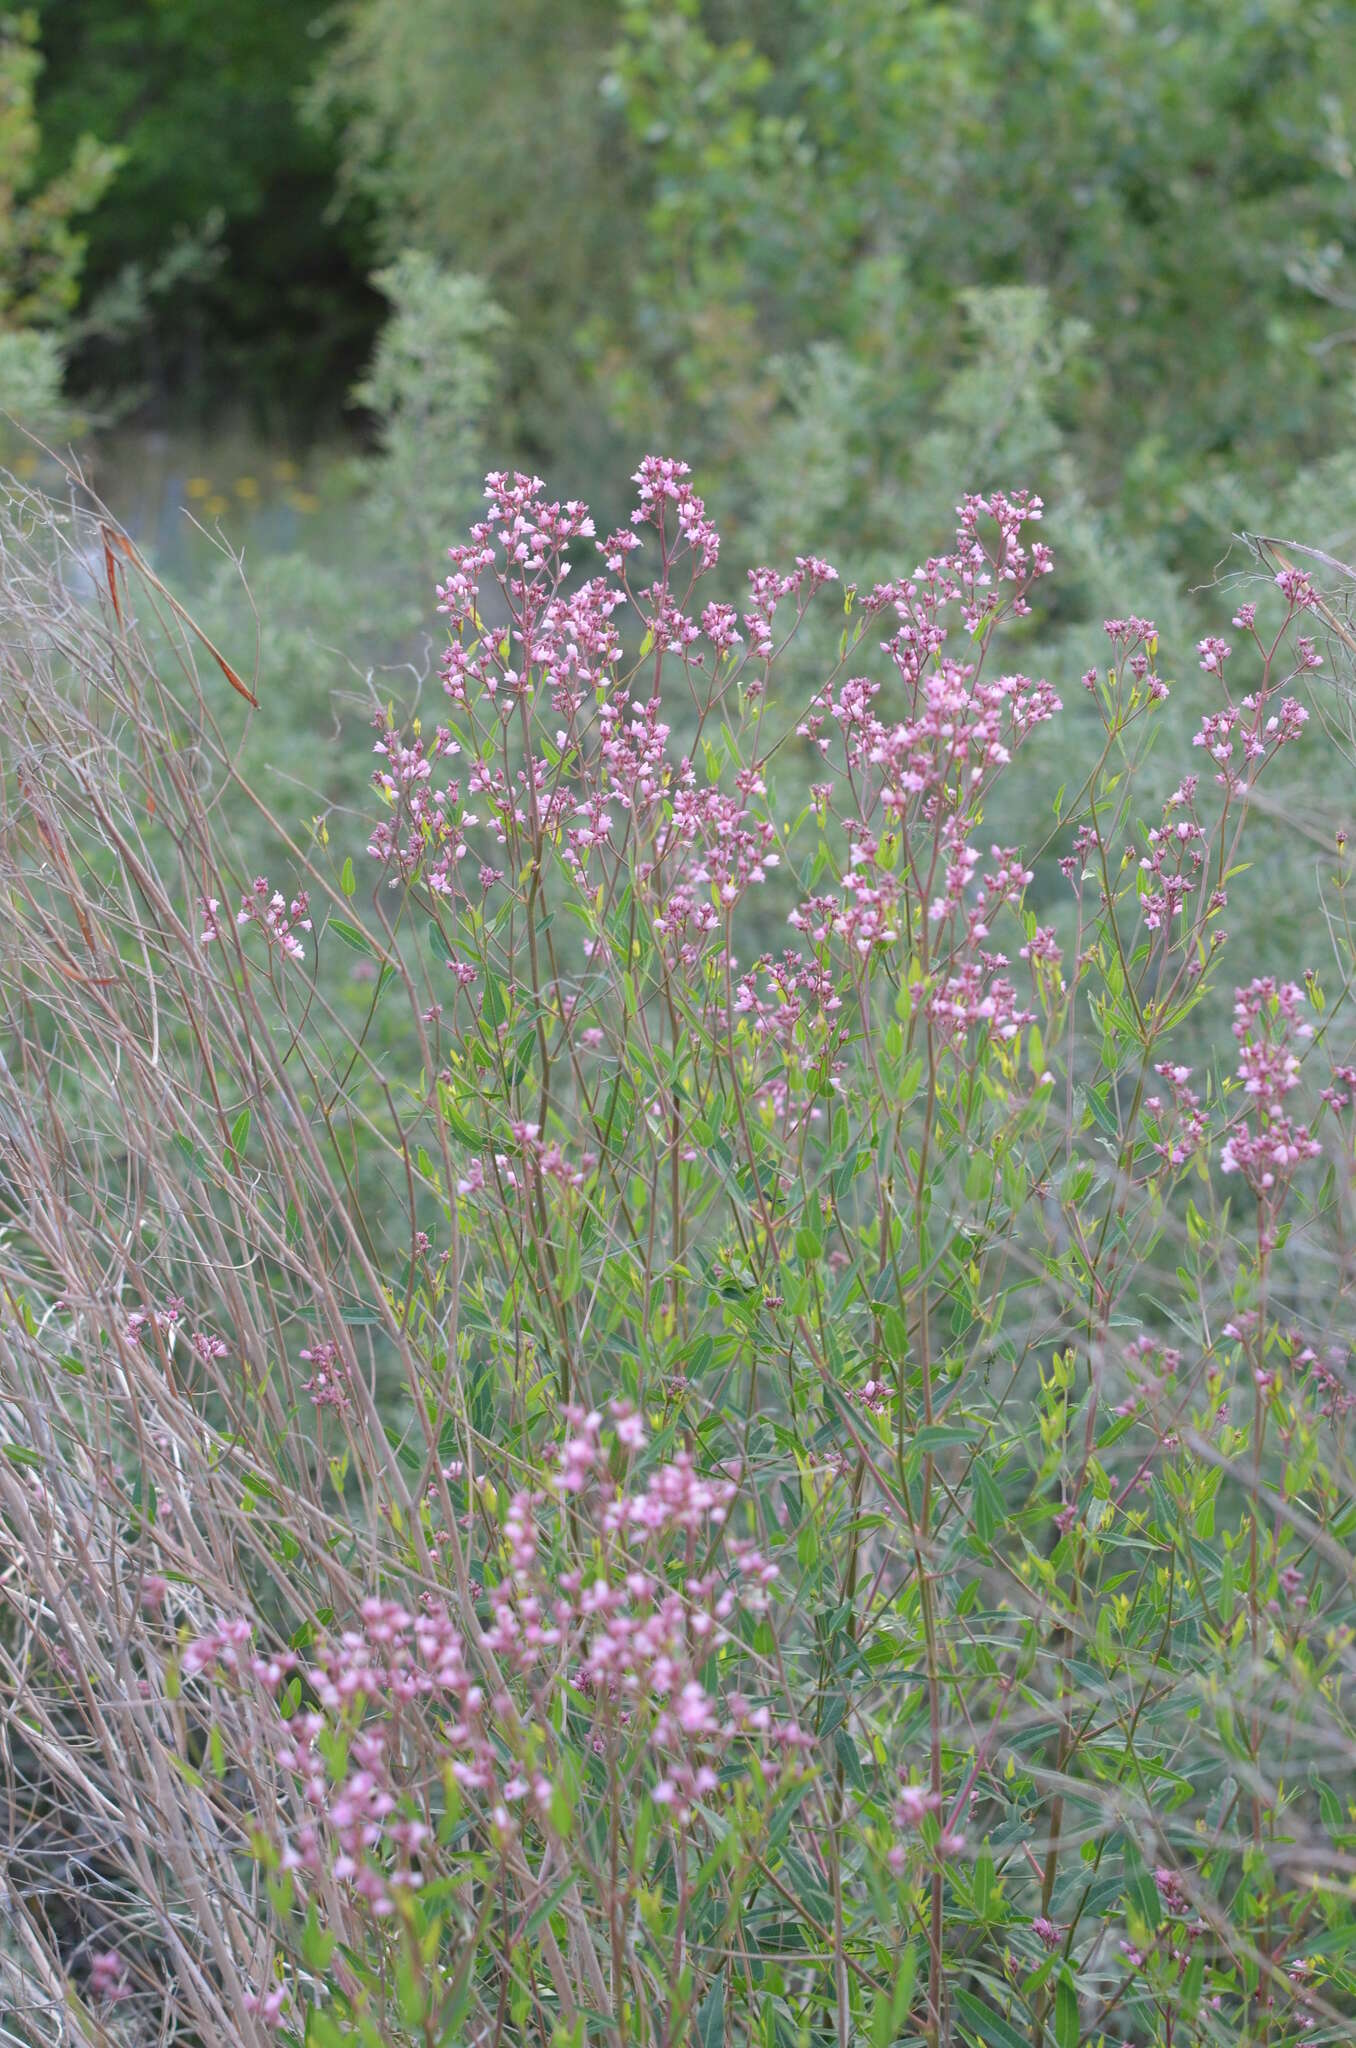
x=41 y=249
x=1157 y=169
x=480 y=135
x=429 y=388
x=699 y=214
x=689 y=197
x=214 y=266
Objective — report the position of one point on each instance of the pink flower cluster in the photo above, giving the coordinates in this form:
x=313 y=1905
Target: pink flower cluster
x=597 y=779
x=912 y=1805
x=279 y=920
x=162 y=1320
x=660 y=482
x=608 y=755
x=382 y=1711
x=328 y=1384
x=918 y=783
x=360 y=1795
x=1242 y=737
x=1266 y=1145
x=108 y=1977
x=767 y=590
x=1182 y=1123
x=533 y=1161
x=1171 y=867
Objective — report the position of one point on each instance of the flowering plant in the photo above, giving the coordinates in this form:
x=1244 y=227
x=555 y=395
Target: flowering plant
x=773 y=1461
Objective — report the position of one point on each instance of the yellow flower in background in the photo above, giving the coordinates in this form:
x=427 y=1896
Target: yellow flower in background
x=247 y=488
x=25 y=465
x=216 y=505
x=285 y=472
x=302 y=501
x=197 y=487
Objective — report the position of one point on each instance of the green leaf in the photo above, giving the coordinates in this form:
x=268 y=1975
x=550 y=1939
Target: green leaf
x=317 y=1943
x=909 y=1082
x=190 y=1154
x=456 y=1122
x=493 y=1007
x=986 y=1886
x=543 y=1911
x=986 y=1502
x=351 y=936
x=1140 y=1888
x=348 y=881
x=1067 y=2029
x=895 y=1333
x=890 y=2013
x=1096 y=1100
x=562 y=1810
x=989 y=2026
x=846 y=1751
x=938 y=1436
x=409 y=1991
x=711 y=2016
x=186 y=1771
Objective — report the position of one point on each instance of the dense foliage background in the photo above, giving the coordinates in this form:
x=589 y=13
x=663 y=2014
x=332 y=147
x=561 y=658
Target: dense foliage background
x=705 y=220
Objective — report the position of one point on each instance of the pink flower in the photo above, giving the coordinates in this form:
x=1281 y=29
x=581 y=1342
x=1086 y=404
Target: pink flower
x=912 y=1802
x=630 y=1426
x=108 y=1977
x=328 y=1384
x=276 y=918
x=1266 y=1146
x=266 y=2005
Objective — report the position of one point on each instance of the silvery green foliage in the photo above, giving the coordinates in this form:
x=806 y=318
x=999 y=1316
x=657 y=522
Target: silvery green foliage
x=30 y=379
x=431 y=385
